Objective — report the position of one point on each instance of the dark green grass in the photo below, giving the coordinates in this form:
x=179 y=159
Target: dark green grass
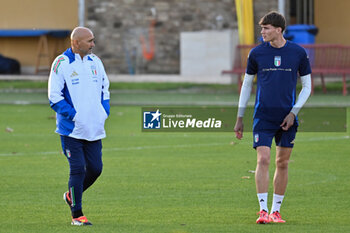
x=332 y=87
x=165 y=182
x=27 y=84
x=209 y=96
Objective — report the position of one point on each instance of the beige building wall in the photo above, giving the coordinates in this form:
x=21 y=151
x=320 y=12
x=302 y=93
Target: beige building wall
x=332 y=18
x=35 y=14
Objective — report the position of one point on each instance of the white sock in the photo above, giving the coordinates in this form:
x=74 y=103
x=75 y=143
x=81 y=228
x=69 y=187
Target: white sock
x=276 y=202
x=262 y=198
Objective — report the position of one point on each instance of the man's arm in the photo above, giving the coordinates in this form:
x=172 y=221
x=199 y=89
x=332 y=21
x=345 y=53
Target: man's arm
x=304 y=94
x=105 y=89
x=302 y=98
x=243 y=102
x=55 y=92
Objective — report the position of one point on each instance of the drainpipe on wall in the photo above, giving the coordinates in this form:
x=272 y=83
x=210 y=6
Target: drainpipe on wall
x=281 y=7
x=81 y=13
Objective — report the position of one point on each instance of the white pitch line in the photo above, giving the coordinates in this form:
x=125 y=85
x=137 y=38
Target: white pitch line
x=315 y=139
x=23 y=153
x=299 y=140
x=123 y=149
x=164 y=146
x=322 y=177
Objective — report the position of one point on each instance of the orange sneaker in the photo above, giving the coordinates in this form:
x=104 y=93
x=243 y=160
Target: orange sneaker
x=276 y=217
x=81 y=221
x=263 y=217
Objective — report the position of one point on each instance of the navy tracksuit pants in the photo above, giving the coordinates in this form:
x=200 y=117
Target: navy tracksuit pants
x=85 y=163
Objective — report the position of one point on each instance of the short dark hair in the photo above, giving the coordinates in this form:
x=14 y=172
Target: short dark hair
x=275 y=19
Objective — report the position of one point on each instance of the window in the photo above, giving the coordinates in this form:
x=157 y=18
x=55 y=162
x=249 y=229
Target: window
x=301 y=11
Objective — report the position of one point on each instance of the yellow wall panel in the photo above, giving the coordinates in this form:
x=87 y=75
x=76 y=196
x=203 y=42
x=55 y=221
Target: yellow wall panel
x=35 y=14
x=332 y=19
x=40 y=14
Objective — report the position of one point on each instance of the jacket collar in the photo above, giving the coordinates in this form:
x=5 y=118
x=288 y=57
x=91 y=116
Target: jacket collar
x=69 y=53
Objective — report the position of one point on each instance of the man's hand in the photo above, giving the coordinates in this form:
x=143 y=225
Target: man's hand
x=288 y=121
x=239 y=127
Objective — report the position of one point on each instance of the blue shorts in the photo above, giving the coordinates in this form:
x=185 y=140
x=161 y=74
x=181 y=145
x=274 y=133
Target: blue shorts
x=265 y=131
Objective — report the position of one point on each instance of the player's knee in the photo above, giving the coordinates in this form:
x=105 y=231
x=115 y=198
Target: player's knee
x=95 y=171
x=77 y=170
x=282 y=163
x=264 y=160
x=98 y=172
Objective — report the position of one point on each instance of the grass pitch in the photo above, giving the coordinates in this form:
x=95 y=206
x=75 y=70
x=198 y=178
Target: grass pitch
x=165 y=182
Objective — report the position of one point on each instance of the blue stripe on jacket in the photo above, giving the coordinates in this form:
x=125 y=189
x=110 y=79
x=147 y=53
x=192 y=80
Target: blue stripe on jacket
x=65 y=113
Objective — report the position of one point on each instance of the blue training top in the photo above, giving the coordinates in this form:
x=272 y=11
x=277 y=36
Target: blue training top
x=277 y=71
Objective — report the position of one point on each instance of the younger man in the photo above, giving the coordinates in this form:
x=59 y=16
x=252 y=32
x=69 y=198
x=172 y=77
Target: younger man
x=276 y=62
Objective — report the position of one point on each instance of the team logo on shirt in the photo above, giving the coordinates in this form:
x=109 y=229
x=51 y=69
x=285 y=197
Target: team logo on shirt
x=277 y=61
x=74 y=74
x=93 y=70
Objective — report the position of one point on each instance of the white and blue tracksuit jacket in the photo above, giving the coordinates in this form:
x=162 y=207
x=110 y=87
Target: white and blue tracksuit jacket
x=78 y=92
